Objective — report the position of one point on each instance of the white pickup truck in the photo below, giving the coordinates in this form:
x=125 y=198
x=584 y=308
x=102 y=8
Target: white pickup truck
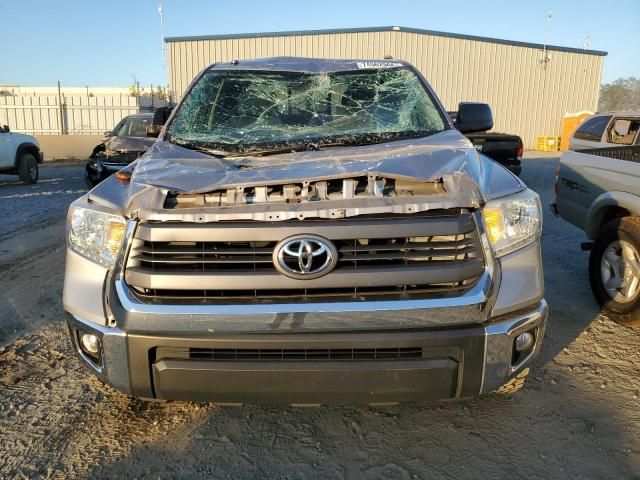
x=598 y=190
x=19 y=155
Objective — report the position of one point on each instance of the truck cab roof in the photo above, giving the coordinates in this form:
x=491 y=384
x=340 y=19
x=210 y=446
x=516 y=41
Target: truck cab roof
x=308 y=65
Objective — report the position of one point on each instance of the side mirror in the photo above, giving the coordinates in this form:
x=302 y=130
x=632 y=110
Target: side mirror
x=108 y=134
x=474 y=117
x=160 y=117
x=153 y=130
x=6 y=129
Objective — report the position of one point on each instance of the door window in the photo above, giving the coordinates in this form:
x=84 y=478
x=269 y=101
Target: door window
x=623 y=131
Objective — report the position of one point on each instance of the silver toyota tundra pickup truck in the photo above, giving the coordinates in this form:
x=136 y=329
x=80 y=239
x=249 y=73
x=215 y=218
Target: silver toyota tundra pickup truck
x=308 y=231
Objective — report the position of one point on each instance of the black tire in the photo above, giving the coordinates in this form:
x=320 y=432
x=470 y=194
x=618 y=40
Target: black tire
x=514 y=385
x=28 y=168
x=627 y=230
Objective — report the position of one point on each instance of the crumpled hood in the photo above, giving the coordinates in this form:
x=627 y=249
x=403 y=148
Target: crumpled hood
x=172 y=167
x=447 y=157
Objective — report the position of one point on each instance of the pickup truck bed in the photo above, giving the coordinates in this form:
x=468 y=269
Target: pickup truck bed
x=503 y=148
x=598 y=190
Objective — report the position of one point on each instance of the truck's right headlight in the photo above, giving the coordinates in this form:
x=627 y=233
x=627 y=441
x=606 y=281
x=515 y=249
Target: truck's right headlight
x=512 y=222
x=95 y=235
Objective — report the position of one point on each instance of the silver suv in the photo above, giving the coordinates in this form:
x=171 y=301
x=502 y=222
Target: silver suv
x=308 y=231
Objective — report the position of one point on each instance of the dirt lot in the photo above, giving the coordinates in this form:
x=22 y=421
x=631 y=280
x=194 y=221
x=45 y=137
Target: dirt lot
x=578 y=416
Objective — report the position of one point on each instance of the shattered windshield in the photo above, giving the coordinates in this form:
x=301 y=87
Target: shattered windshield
x=241 y=111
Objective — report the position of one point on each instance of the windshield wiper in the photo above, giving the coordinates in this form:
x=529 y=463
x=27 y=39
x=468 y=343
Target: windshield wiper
x=297 y=147
x=275 y=151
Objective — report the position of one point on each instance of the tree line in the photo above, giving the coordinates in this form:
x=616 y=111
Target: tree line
x=621 y=94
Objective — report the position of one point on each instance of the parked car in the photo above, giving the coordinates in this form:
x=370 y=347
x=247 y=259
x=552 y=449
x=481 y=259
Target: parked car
x=19 y=155
x=607 y=130
x=504 y=148
x=308 y=231
x=598 y=190
x=124 y=144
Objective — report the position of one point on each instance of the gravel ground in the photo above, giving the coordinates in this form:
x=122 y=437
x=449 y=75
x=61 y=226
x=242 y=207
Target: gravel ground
x=577 y=417
x=23 y=205
x=32 y=246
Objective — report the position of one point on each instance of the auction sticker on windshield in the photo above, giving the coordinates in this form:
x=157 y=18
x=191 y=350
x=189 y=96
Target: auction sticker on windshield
x=368 y=65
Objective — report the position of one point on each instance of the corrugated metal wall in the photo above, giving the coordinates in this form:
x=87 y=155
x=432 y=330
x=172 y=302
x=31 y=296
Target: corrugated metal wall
x=526 y=98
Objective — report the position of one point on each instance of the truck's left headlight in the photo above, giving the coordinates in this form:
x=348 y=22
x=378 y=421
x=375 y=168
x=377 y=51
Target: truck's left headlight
x=512 y=222
x=95 y=235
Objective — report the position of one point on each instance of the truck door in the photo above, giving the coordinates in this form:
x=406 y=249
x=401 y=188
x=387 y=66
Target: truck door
x=7 y=154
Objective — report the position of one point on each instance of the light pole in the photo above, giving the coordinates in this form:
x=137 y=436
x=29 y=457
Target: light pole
x=161 y=33
x=546 y=57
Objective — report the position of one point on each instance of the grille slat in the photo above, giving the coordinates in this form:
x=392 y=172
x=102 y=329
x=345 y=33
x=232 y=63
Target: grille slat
x=203 y=259
x=432 y=255
x=184 y=250
x=433 y=245
x=299 y=296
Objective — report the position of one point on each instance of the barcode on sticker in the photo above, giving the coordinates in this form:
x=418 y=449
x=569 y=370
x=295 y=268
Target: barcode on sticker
x=369 y=65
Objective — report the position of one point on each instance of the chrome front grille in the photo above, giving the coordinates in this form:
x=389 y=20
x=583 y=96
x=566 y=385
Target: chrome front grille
x=252 y=256
x=415 y=256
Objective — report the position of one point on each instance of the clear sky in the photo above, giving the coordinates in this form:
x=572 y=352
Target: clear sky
x=108 y=43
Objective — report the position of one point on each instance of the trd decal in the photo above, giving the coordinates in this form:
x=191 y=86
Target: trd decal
x=571 y=185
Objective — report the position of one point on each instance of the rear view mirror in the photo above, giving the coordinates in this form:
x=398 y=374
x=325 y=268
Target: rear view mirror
x=474 y=117
x=108 y=134
x=6 y=129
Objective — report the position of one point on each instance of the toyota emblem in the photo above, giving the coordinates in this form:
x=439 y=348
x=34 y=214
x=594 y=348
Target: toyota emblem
x=305 y=257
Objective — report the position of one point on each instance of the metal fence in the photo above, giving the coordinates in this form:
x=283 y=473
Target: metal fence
x=71 y=115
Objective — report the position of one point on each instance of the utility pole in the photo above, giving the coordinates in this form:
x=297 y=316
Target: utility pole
x=546 y=57
x=61 y=108
x=587 y=42
x=161 y=12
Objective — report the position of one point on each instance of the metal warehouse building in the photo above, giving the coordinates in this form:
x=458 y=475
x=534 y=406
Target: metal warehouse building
x=529 y=86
